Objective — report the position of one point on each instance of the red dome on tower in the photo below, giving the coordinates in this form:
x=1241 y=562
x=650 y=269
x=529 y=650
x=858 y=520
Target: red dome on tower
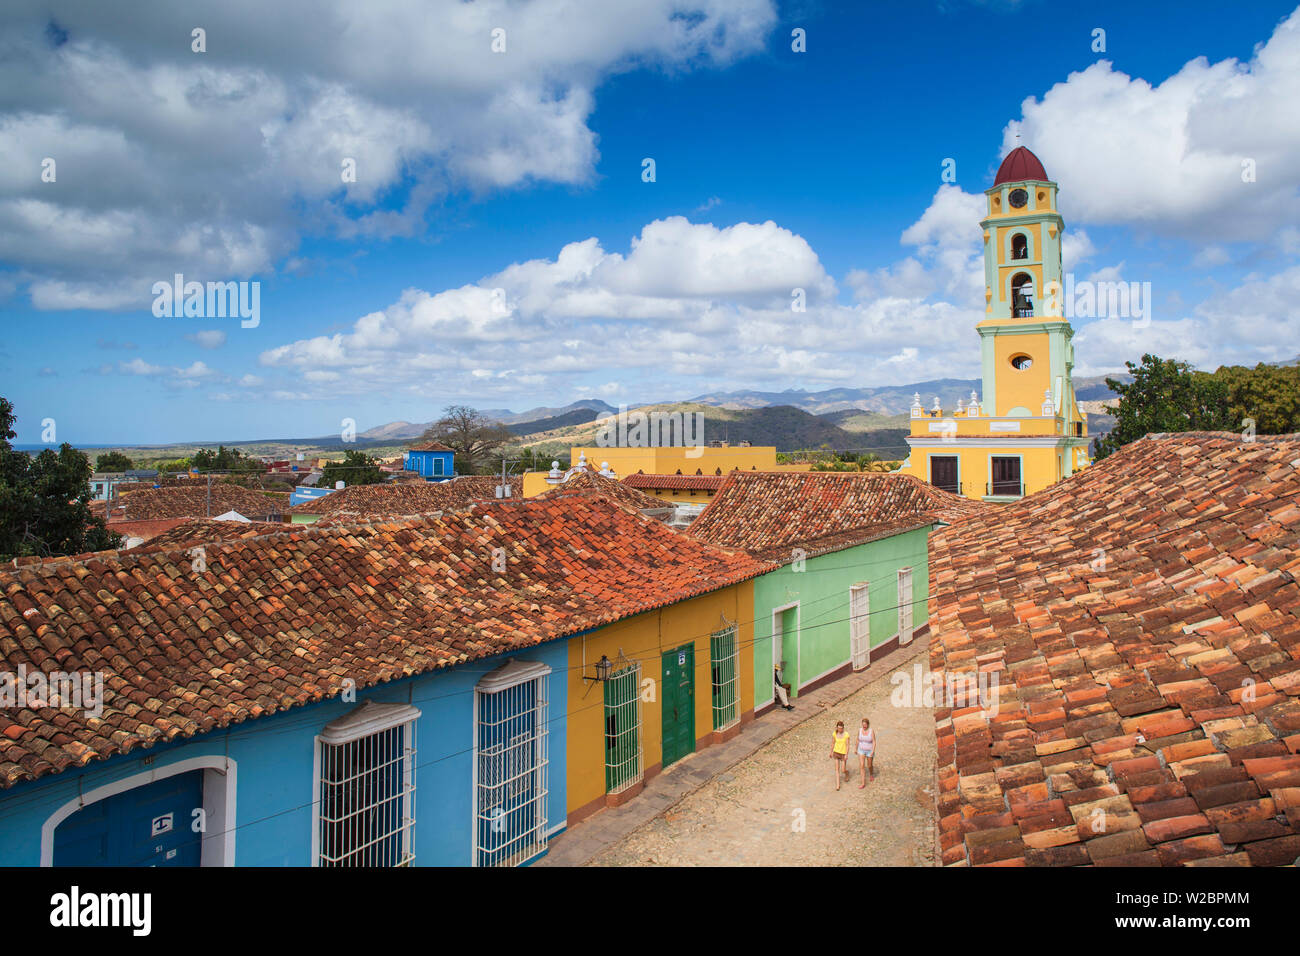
x=1020 y=164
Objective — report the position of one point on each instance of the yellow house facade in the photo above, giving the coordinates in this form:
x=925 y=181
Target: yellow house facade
x=622 y=461
x=670 y=459
x=1026 y=431
x=678 y=679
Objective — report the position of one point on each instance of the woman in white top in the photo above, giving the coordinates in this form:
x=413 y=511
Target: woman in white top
x=866 y=751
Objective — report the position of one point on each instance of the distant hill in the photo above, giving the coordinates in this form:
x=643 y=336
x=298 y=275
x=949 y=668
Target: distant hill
x=1094 y=388
x=786 y=427
x=579 y=416
x=884 y=399
x=507 y=417
x=846 y=419
x=394 y=431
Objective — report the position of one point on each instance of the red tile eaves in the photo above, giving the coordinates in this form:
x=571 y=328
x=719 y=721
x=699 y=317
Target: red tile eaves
x=282 y=619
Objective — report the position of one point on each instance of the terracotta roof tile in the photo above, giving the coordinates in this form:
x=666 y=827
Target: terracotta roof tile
x=283 y=619
x=593 y=482
x=195 y=531
x=770 y=513
x=1143 y=619
x=394 y=499
x=191 y=501
x=676 y=482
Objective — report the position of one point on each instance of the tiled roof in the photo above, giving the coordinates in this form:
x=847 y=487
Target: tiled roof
x=674 y=482
x=284 y=619
x=593 y=482
x=148 y=529
x=192 y=501
x=431 y=446
x=194 y=531
x=1143 y=622
x=392 y=499
x=770 y=513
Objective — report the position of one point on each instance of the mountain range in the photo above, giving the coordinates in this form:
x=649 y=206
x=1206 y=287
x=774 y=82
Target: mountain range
x=872 y=418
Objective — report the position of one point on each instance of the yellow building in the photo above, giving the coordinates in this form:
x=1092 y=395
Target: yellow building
x=671 y=459
x=717 y=459
x=1026 y=432
x=662 y=700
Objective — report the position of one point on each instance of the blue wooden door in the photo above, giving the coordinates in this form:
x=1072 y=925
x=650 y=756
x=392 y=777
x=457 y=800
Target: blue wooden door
x=145 y=826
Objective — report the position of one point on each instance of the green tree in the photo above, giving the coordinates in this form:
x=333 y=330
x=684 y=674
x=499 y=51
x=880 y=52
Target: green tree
x=356 y=468
x=44 y=500
x=1268 y=394
x=1164 y=396
x=113 y=461
x=473 y=436
x=173 y=465
x=224 y=459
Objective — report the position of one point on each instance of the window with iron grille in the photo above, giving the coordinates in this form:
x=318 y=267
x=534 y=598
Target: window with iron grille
x=623 y=763
x=365 y=785
x=723 y=664
x=510 y=761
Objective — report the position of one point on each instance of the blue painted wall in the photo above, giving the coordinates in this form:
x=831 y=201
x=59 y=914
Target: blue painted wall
x=274 y=759
x=308 y=493
x=431 y=464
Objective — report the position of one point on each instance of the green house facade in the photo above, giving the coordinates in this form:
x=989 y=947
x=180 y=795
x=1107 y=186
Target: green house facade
x=822 y=617
x=851 y=569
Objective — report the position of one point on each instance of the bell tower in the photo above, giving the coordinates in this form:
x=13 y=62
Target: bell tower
x=1022 y=240
x=1027 y=356
x=1025 y=431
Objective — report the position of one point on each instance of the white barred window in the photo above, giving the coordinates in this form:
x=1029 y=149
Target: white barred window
x=724 y=667
x=623 y=763
x=510 y=764
x=365 y=786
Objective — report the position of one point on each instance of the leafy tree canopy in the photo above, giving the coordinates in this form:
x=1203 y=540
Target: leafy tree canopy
x=113 y=461
x=1170 y=396
x=1267 y=394
x=224 y=459
x=356 y=468
x=1165 y=396
x=44 y=500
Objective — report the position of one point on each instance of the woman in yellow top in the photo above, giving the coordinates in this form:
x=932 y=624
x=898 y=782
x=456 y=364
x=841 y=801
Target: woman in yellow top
x=840 y=752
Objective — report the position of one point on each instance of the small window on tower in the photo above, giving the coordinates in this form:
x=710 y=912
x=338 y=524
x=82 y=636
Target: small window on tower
x=1019 y=246
x=1021 y=362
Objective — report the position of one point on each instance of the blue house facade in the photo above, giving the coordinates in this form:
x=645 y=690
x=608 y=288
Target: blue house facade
x=185 y=726
x=305 y=493
x=463 y=767
x=432 y=461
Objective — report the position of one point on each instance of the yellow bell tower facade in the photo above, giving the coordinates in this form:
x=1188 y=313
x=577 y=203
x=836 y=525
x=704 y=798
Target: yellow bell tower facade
x=1026 y=431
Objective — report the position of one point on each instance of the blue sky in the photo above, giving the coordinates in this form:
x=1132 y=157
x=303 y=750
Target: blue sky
x=521 y=171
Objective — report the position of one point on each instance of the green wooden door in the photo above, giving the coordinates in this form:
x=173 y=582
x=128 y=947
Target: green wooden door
x=679 y=703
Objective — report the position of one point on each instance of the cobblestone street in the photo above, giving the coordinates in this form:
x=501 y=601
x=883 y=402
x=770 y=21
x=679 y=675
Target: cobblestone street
x=779 y=806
